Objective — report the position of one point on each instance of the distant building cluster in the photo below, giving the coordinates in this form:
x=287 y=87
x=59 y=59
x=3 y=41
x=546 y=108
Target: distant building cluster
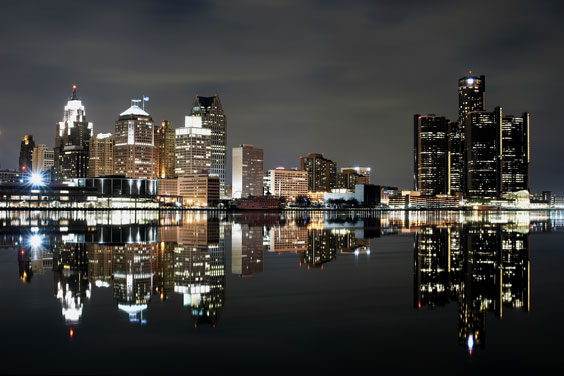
x=481 y=159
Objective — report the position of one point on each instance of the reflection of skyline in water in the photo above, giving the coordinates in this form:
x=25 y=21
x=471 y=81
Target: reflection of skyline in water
x=479 y=261
x=481 y=267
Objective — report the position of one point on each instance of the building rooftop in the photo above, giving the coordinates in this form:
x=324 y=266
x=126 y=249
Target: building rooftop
x=134 y=110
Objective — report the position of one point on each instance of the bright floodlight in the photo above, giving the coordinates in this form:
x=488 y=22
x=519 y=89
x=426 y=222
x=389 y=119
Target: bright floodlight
x=470 y=81
x=36 y=178
x=35 y=241
x=470 y=342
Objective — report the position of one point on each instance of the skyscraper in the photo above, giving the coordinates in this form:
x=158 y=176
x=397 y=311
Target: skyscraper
x=431 y=168
x=134 y=149
x=193 y=148
x=213 y=118
x=42 y=158
x=248 y=171
x=471 y=95
x=26 y=151
x=515 y=153
x=164 y=144
x=101 y=161
x=483 y=153
x=321 y=172
x=456 y=153
x=72 y=140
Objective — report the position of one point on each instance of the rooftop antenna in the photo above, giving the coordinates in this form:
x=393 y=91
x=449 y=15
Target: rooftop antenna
x=135 y=102
x=74 y=97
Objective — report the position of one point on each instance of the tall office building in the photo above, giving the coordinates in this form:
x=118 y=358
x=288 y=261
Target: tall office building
x=483 y=152
x=134 y=149
x=431 y=168
x=456 y=153
x=213 y=118
x=515 y=153
x=42 y=158
x=164 y=144
x=471 y=96
x=26 y=151
x=321 y=172
x=101 y=160
x=247 y=171
x=72 y=141
x=362 y=171
x=193 y=148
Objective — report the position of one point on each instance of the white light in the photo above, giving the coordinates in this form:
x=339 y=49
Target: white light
x=470 y=342
x=36 y=178
x=35 y=241
x=470 y=81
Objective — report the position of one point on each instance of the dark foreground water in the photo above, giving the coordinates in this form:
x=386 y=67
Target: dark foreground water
x=430 y=293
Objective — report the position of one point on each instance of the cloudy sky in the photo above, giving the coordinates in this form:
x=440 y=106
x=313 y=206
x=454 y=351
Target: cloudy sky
x=339 y=77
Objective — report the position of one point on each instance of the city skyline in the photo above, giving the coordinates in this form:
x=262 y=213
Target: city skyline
x=291 y=87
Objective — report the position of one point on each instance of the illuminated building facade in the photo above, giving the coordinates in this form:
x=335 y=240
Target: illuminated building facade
x=515 y=153
x=349 y=177
x=26 y=153
x=213 y=118
x=72 y=141
x=431 y=157
x=321 y=172
x=134 y=148
x=361 y=170
x=471 y=96
x=456 y=155
x=288 y=184
x=483 y=153
x=199 y=190
x=101 y=160
x=248 y=171
x=164 y=147
x=193 y=148
x=42 y=159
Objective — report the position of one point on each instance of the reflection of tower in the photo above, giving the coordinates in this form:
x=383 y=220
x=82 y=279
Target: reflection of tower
x=246 y=249
x=199 y=273
x=164 y=269
x=431 y=253
x=319 y=247
x=133 y=278
x=482 y=267
x=24 y=265
x=72 y=288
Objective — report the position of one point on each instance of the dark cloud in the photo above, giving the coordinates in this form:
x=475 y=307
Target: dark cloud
x=343 y=78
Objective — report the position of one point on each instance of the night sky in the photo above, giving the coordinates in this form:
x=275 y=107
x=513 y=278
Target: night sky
x=339 y=77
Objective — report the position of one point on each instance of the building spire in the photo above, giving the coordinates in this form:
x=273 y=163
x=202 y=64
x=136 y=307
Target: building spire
x=74 y=97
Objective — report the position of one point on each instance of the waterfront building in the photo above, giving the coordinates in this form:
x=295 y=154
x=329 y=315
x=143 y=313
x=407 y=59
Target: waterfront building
x=213 y=118
x=288 y=184
x=515 y=153
x=483 y=153
x=42 y=158
x=26 y=151
x=322 y=172
x=164 y=145
x=134 y=148
x=72 y=135
x=193 y=148
x=247 y=171
x=431 y=157
x=101 y=155
x=199 y=190
x=11 y=176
